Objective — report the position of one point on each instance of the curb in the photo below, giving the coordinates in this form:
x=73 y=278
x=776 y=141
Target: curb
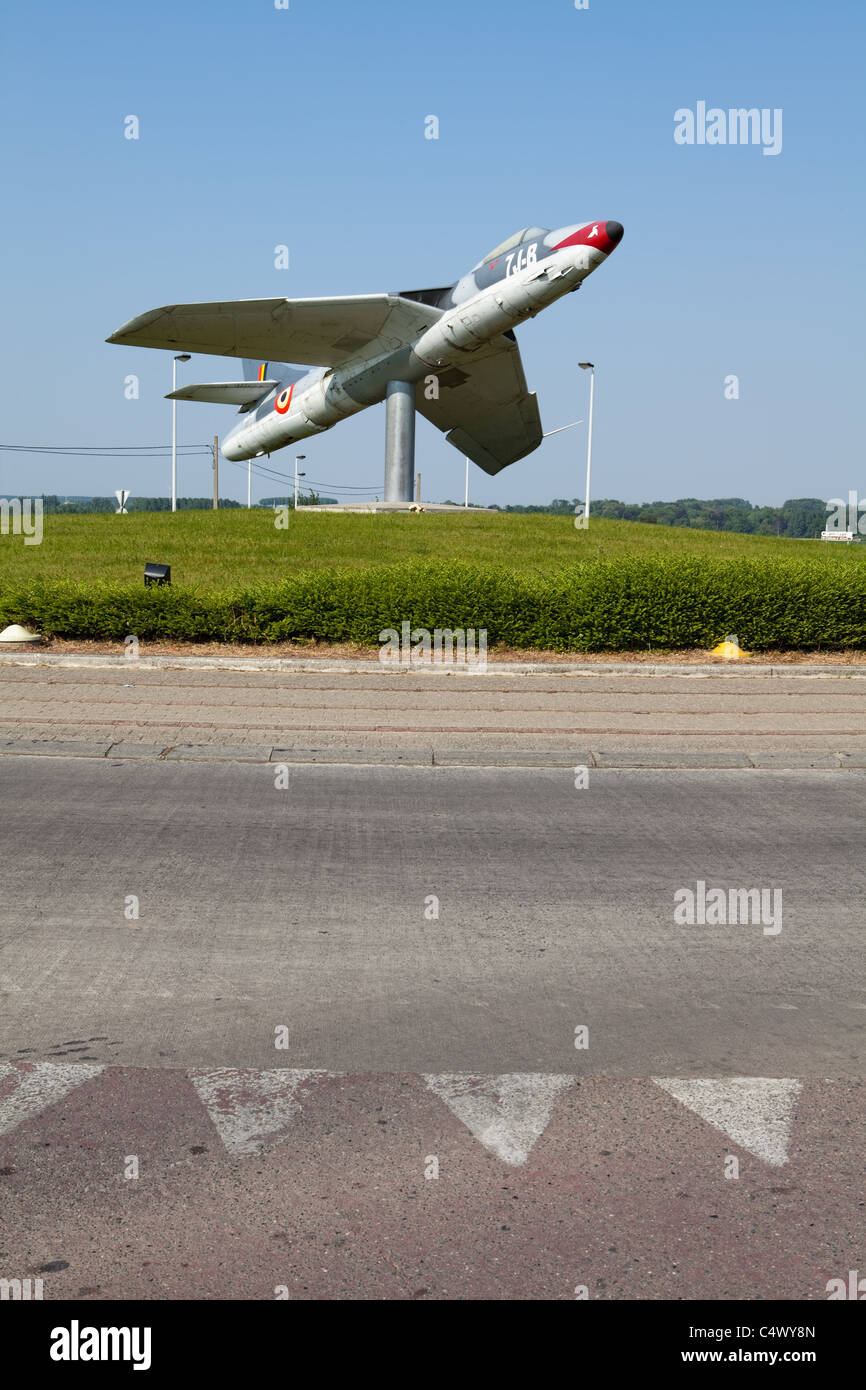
x=331 y=666
x=621 y=760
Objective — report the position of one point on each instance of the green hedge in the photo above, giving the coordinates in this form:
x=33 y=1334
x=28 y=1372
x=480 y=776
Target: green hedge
x=662 y=603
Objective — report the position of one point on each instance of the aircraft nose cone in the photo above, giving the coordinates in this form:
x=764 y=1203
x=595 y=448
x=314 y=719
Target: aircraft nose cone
x=613 y=232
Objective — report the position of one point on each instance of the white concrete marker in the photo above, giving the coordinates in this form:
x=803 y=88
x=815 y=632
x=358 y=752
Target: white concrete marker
x=251 y=1109
x=507 y=1113
x=41 y=1085
x=755 y=1111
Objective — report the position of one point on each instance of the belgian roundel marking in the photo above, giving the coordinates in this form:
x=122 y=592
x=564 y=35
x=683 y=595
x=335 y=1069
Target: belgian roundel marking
x=284 y=400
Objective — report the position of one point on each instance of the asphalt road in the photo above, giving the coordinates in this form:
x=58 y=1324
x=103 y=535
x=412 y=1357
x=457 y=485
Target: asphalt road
x=150 y=1183
x=304 y=915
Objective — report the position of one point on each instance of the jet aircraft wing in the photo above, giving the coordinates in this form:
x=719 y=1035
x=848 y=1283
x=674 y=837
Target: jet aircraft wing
x=314 y=332
x=485 y=408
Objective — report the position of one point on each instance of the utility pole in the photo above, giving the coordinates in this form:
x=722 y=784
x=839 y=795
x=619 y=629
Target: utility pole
x=466 y=498
x=216 y=472
x=418 y=489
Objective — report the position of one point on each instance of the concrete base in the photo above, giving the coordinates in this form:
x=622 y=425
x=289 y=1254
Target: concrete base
x=399 y=507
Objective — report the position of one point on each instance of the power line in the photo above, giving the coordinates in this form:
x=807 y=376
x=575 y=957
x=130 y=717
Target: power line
x=142 y=451
x=106 y=450
x=264 y=470
x=272 y=476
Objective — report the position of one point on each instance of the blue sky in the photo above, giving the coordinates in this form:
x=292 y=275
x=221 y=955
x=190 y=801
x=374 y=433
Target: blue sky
x=305 y=127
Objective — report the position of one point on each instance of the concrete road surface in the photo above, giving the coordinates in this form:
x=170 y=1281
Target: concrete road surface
x=430 y=919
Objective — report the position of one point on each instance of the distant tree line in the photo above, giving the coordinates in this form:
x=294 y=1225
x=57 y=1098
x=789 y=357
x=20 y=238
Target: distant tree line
x=310 y=499
x=800 y=517
x=86 y=506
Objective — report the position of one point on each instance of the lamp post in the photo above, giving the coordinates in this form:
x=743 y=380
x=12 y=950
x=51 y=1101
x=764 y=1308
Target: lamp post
x=466 y=496
x=589 y=367
x=179 y=357
x=299 y=458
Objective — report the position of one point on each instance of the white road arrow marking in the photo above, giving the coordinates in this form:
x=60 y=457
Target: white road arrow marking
x=507 y=1113
x=36 y=1085
x=755 y=1111
x=251 y=1109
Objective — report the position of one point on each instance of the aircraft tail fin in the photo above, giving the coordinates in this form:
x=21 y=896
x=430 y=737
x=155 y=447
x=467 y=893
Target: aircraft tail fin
x=254 y=370
x=260 y=378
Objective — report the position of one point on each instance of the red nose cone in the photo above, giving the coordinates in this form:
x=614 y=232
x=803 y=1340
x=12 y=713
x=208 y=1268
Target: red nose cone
x=603 y=235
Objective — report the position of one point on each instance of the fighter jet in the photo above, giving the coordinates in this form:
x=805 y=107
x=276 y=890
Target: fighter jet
x=449 y=353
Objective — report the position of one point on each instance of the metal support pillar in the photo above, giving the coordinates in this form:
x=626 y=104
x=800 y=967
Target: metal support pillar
x=399 y=440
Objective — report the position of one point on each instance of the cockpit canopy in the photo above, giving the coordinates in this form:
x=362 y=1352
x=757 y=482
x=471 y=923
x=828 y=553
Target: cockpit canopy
x=527 y=234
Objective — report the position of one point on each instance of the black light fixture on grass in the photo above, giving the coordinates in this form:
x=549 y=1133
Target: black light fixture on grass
x=157 y=574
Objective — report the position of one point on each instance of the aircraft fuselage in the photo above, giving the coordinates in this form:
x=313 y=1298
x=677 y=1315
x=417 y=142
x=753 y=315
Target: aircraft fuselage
x=492 y=299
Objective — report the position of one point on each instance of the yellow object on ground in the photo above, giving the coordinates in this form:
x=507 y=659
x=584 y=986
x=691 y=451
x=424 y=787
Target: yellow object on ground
x=729 y=649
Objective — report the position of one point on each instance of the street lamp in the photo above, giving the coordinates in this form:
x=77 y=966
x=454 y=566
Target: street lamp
x=299 y=458
x=589 y=367
x=179 y=357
